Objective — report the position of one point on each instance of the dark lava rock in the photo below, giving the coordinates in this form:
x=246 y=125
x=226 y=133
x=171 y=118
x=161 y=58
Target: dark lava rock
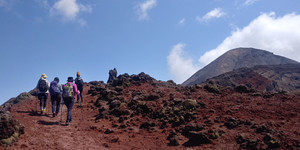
x=109 y=131
x=242 y=89
x=191 y=127
x=240 y=139
x=10 y=128
x=173 y=139
x=271 y=142
x=197 y=138
x=114 y=104
x=232 y=123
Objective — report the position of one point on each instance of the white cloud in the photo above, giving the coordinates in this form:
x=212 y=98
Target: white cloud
x=250 y=2
x=280 y=35
x=181 y=66
x=144 y=8
x=69 y=10
x=215 y=13
x=182 y=21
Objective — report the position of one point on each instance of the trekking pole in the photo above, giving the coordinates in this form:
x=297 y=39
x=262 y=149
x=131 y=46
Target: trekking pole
x=49 y=106
x=81 y=110
x=37 y=105
x=62 y=105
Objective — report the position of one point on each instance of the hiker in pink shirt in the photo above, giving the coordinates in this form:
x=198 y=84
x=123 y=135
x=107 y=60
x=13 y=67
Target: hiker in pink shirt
x=70 y=92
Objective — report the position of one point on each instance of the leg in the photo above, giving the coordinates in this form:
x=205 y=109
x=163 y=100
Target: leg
x=58 y=103
x=81 y=95
x=40 y=97
x=70 y=109
x=53 y=102
x=45 y=100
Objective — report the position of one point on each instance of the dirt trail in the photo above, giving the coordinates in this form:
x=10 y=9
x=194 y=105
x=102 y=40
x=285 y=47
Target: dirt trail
x=47 y=132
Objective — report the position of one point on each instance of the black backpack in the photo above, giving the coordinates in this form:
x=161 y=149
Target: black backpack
x=43 y=86
x=79 y=83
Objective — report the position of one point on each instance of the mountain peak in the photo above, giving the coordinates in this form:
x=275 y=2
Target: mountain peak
x=235 y=59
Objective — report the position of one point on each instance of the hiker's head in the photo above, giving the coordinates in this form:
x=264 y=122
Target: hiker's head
x=56 y=79
x=78 y=74
x=44 y=76
x=70 y=79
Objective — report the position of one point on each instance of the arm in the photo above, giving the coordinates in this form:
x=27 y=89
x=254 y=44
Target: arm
x=75 y=89
x=60 y=88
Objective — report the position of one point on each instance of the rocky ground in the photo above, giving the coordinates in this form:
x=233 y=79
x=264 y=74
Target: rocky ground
x=139 y=112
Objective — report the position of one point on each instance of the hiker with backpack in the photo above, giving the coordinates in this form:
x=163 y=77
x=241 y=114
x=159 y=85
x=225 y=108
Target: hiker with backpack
x=43 y=90
x=79 y=83
x=55 y=93
x=69 y=94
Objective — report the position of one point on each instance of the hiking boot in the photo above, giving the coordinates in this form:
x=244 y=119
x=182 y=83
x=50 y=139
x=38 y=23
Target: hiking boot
x=67 y=122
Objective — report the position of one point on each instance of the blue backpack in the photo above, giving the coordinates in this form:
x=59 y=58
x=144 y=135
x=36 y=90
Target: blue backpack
x=54 y=89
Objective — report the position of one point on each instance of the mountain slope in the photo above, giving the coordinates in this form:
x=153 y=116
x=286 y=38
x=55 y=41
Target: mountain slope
x=270 y=78
x=139 y=112
x=234 y=59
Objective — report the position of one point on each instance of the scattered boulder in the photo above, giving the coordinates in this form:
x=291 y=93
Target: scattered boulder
x=197 y=139
x=212 y=87
x=173 y=139
x=271 y=142
x=232 y=123
x=10 y=128
x=109 y=131
x=242 y=88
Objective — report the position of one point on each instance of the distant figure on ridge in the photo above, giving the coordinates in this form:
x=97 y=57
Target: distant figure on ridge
x=43 y=90
x=69 y=94
x=55 y=93
x=79 y=83
x=112 y=75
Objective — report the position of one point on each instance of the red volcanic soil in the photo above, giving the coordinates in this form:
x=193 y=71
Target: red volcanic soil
x=229 y=120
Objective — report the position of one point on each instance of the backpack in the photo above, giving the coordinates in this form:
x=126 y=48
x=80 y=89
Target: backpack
x=79 y=83
x=54 y=89
x=68 y=91
x=43 y=86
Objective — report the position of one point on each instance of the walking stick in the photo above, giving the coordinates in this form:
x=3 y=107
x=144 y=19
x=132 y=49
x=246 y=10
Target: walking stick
x=62 y=105
x=37 y=105
x=49 y=106
x=81 y=110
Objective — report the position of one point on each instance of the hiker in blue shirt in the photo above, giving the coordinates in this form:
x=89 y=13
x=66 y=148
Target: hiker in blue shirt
x=43 y=90
x=55 y=93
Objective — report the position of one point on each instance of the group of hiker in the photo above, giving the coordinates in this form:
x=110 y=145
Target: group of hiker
x=67 y=92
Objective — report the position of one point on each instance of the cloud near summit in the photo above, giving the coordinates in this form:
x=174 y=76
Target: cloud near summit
x=280 y=35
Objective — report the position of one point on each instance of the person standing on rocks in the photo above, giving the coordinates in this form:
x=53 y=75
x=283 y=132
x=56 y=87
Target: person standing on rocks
x=79 y=83
x=69 y=94
x=55 y=93
x=112 y=75
x=43 y=90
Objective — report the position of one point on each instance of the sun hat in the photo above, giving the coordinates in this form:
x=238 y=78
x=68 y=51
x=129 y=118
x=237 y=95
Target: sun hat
x=44 y=76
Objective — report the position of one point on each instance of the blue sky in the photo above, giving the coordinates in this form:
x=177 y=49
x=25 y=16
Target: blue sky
x=167 y=39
